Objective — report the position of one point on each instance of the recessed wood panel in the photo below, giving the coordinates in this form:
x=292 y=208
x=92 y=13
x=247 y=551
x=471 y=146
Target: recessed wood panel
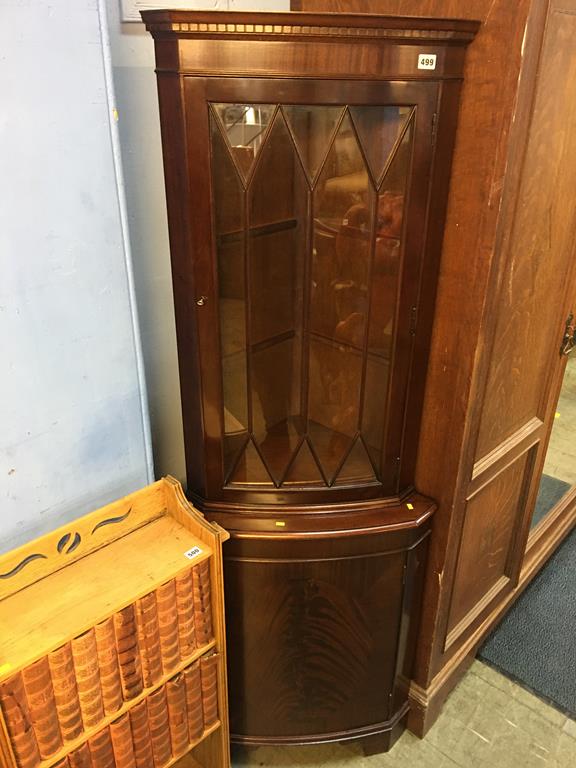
x=491 y=516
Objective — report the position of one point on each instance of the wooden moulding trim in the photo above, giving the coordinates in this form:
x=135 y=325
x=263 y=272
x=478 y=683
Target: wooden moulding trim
x=384 y=503
x=277 y=74
x=323 y=738
x=426 y=703
x=543 y=542
x=338 y=558
x=328 y=532
x=504 y=455
x=301 y=25
x=181 y=509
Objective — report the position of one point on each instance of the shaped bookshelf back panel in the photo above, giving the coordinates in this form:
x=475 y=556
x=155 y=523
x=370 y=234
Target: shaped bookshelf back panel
x=69 y=543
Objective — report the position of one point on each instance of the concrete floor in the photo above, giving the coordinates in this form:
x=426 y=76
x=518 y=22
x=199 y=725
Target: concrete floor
x=488 y=722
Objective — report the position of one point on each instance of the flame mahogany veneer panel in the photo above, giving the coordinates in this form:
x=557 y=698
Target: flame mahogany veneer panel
x=318 y=634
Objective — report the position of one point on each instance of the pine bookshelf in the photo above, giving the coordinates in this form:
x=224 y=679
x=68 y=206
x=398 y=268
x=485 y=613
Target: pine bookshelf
x=112 y=640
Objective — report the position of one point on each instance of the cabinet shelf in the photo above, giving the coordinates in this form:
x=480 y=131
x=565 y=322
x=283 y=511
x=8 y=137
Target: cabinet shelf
x=189 y=760
x=259 y=230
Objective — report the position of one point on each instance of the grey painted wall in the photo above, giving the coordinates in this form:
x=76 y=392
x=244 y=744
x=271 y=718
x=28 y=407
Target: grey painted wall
x=73 y=424
x=133 y=60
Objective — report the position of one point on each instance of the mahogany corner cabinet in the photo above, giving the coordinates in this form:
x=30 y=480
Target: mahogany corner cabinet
x=307 y=162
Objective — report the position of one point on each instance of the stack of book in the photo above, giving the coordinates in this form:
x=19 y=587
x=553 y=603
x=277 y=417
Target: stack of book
x=158 y=729
x=76 y=690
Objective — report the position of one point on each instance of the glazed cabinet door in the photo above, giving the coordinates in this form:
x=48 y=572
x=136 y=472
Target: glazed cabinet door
x=316 y=638
x=308 y=279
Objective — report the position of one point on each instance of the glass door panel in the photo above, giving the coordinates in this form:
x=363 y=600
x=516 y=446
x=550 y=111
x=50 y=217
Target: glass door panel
x=230 y=257
x=277 y=230
x=560 y=465
x=309 y=221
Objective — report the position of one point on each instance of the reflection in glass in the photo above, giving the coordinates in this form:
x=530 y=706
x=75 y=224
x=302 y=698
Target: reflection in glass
x=304 y=469
x=250 y=469
x=357 y=468
x=341 y=251
x=313 y=129
x=276 y=246
x=309 y=252
x=244 y=127
x=229 y=216
x=373 y=416
x=560 y=465
x=379 y=129
x=275 y=403
x=334 y=401
x=384 y=283
x=384 y=289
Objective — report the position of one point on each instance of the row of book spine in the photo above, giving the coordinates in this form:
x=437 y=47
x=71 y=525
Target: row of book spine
x=159 y=728
x=56 y=699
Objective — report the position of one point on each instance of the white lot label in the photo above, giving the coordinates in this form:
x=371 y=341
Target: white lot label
x=192 y=553
x=427 y=61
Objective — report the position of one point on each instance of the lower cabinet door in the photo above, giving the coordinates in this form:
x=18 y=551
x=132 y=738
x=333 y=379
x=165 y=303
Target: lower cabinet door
x=320 y=635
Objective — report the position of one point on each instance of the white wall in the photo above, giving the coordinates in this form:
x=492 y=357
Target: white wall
x=135 y=81
x=72 y=422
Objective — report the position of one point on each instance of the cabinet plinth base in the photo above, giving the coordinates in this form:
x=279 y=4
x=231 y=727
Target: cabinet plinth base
x=374 y=739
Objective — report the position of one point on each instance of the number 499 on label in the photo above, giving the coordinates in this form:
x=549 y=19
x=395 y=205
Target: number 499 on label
x=427 y=61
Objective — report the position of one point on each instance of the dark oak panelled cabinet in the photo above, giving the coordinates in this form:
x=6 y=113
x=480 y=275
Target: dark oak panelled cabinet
x=307 y=160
